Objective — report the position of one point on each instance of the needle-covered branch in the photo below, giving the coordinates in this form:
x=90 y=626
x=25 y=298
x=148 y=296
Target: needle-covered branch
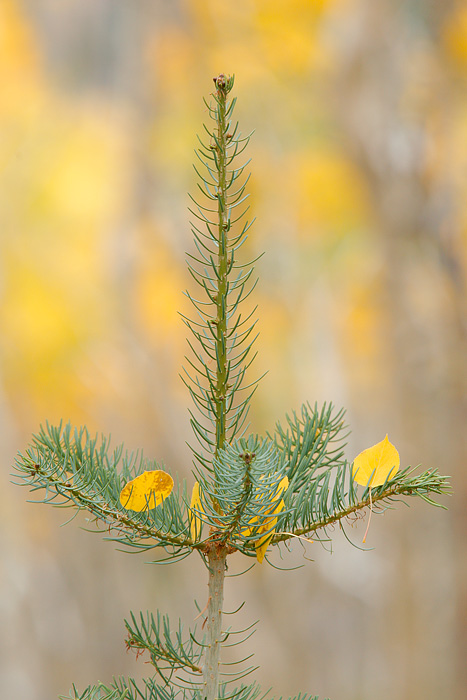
x=129 y=689
x=262 y=492
x=169 y=652
x=322 y=490
x=216 y=370
x=332 y=500
x=70 y=469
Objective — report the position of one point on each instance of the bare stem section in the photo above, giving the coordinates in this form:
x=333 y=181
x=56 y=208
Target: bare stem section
x=216 y=562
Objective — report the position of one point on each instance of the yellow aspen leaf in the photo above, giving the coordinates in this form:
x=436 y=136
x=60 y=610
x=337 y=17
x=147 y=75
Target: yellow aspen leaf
x=269 y=525
x=283 y=486
x=378 y=462
x=147 y=490
x=195 y=521
x=262 y=545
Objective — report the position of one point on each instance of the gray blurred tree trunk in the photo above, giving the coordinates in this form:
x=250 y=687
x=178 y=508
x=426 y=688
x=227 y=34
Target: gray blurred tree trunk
x=392 y=88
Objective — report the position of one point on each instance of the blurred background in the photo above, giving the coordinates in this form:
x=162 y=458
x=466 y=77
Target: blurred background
x=359 y=183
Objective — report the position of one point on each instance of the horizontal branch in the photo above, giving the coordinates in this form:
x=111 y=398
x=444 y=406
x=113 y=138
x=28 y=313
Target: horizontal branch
x=399 y=488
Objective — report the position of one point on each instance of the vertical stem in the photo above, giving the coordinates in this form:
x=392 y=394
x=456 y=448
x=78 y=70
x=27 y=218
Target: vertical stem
x=216 y=563
x=222 y=84
x=217 y=553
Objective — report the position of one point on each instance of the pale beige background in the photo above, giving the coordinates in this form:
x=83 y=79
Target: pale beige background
x=359 y=184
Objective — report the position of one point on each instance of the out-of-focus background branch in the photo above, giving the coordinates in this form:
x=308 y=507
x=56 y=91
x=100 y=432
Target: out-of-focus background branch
x=359 y=184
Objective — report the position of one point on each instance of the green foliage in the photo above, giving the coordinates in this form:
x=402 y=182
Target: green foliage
x=126 y=689
x=240 y=490
x=252 y=492
x=168 y=650
x=223 y=338
x=81 y=472
x=85 y=473
x=321 y=489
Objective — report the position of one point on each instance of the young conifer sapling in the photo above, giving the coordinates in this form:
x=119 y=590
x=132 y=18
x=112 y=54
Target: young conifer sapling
x=249 y=493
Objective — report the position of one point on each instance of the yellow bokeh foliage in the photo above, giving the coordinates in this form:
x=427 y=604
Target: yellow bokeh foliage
x=455 y=36
x=331 y=197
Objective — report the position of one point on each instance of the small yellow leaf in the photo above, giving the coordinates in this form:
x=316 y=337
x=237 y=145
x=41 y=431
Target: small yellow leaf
x=269 y=525
x=262 y=544
x=261 y=547
x=146 y=491
x=195 y=521
x=382 y=460
x=283 y=485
